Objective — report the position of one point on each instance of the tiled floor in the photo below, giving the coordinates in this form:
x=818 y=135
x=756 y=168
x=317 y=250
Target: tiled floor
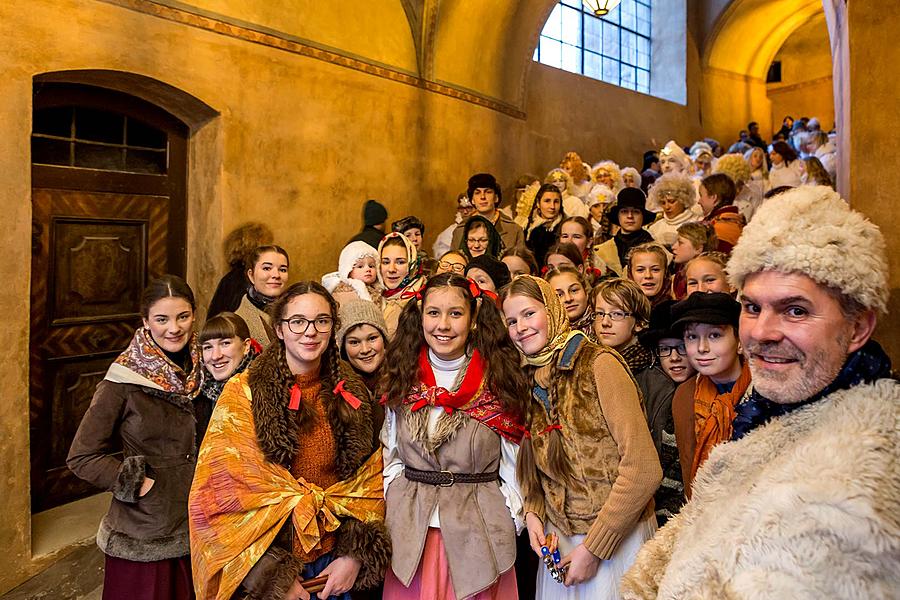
x=78 y=576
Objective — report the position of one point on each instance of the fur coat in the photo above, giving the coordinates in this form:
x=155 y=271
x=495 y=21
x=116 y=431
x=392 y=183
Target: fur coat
x=807 y=506
x=279 y=431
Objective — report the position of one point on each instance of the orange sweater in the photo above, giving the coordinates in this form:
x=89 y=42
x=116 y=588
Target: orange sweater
x=315 y=458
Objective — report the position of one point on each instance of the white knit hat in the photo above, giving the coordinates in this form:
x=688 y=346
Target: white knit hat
x=812 y=231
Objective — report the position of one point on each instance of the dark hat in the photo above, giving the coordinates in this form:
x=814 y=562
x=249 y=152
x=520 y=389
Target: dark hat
x=496 y=270
x=630 y=197
x=717 y=308
x=483 y=180
x=406 y=223
x=659 y=327
x=374 y=213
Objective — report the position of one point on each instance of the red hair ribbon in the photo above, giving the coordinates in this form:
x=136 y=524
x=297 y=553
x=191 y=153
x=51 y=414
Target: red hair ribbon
x=476 y=291
x=347 y=396
x=256 y=346
x=593 y=271
x=550 y=428
x=407 y=294
x=383 y=400
x=544 y=270
x=296 y=396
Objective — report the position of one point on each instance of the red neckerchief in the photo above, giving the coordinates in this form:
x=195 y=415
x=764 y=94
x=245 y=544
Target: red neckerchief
x=473 y=397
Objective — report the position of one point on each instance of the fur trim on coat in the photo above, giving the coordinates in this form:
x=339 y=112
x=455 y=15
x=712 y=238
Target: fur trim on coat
x=278 y=431
x=812 y=231
x=130 y=479
x=807 y=506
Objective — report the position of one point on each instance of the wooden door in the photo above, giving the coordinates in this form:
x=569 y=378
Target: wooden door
x=108 y=215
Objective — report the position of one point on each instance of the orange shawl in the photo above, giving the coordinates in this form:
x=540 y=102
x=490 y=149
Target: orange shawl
x=714 y=413
x=239 y=500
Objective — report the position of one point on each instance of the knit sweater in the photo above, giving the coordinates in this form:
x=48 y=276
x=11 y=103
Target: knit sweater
x=315 y=462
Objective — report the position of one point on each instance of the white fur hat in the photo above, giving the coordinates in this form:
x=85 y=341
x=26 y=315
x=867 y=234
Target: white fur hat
x=811 y=230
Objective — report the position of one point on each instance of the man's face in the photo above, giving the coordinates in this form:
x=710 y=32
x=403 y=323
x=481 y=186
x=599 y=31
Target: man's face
x=795 y=337
x=630 y=219
x=484 y=200
x=754 y=129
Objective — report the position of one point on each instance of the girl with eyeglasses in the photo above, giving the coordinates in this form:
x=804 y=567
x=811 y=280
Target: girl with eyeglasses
x=587 y=467
x=290 y=440
x=479 y=237
x=453 y=390
x=452 y=262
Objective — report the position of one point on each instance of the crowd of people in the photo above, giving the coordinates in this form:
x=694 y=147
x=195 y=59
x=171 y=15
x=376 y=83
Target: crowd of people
x=621 y=384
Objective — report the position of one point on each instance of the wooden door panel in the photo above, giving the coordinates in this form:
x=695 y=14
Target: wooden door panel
x=72 y=384
x=99 y=268
x=93 y=253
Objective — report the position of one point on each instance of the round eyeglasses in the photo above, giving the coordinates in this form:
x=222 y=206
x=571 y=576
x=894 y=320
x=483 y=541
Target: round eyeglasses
x=299 y=325
x=452 y=266
x=614 y=315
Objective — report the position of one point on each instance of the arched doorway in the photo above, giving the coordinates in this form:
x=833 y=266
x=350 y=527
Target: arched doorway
x=109 y=213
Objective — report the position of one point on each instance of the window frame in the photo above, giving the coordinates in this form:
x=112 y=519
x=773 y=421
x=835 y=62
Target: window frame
x=602 y=57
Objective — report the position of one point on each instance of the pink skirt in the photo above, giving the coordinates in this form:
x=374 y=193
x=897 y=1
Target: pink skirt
x=432 y=578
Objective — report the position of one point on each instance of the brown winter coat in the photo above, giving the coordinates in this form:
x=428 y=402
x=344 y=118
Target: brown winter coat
x=279 y=431
x=157 y=434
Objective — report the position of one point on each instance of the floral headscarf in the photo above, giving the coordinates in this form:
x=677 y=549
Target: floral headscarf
x=143 y=362
x=559 y=332
x=412 y=257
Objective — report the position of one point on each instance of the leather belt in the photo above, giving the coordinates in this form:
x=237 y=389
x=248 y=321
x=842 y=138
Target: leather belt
x=448 y=478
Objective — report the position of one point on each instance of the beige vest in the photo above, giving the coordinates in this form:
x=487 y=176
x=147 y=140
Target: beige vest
x=257 y=321
x=478 y=532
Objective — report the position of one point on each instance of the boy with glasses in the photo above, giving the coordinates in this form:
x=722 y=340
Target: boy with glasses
x=621 y=311
x=668 y=347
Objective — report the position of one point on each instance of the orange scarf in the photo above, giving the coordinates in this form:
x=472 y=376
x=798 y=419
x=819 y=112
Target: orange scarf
x=714 y=427
x=239 y=501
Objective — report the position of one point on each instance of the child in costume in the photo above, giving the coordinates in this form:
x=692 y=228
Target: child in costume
x=587 y=466
x=453 y=391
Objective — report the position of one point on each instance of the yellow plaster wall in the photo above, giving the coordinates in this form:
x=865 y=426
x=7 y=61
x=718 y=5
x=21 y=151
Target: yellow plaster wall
x=806 y=81
x=376 y=29
x=299 y=143
x=869 y=137
x=739 y=45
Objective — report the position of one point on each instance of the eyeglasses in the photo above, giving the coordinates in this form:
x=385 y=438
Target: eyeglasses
x=665 y=351
x=299 y=325
x=614 y=315
x=452 y=266
x=477 y=240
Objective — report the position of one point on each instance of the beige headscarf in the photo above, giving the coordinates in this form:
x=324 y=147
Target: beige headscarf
x=559 y=331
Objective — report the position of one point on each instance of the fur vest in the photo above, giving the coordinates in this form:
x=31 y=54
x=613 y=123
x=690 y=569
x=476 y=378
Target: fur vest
x=279 y=432
x=807 y=506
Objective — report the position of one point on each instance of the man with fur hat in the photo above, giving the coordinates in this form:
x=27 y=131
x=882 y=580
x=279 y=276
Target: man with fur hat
x=484 y=192
x=804 y=501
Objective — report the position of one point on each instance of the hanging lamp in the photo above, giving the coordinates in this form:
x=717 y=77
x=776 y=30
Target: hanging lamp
x=601 y=8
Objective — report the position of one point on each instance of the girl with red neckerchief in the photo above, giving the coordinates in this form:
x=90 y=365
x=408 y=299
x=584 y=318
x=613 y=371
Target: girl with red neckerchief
x=453 y=391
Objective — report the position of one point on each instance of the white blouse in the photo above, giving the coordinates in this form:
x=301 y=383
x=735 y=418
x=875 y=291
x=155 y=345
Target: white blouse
x=445 y=375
